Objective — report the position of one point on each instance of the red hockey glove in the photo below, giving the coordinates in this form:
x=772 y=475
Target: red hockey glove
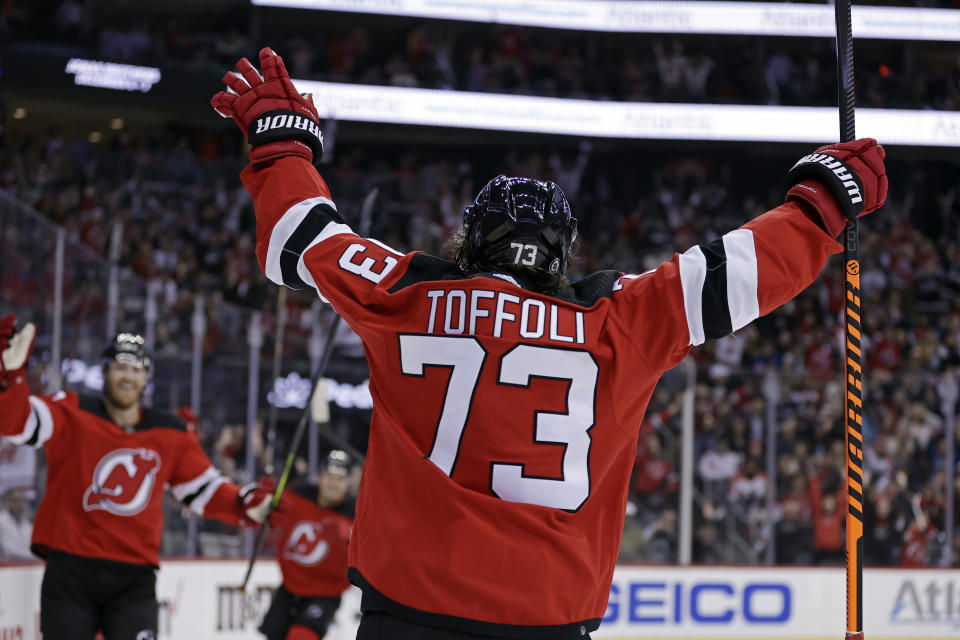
x=15 y=349
x=189 y=417
x=276 y=119
x=254 y=504
x=841 y=181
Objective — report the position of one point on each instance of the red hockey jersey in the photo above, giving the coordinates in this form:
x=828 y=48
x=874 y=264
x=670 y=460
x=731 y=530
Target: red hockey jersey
x=312 y=547
x=104 y=496
x=505 y=421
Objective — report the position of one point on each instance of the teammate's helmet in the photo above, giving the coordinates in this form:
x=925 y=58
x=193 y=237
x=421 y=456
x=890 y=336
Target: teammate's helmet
x=519 y=224
x=128 y=348
x=337 y=462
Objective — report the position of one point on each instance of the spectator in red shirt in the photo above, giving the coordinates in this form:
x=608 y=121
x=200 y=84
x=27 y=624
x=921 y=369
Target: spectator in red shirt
x=828 y=521
x=916 y=539
x=652 y=470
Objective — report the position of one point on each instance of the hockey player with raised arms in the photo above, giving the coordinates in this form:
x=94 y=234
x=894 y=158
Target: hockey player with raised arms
x=109 y=460
x=507 y=400
x=312 y=553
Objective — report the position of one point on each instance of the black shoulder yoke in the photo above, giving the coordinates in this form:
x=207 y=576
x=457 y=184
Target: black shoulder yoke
x=151 y=418
x=426 y=268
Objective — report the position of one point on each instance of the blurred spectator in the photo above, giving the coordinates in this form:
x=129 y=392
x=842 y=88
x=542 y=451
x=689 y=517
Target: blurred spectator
x=15 y=526
x=708 y=547
x=69 y=19
x=18 y=466
x=662 y=538
x=635 y=210
x=828 y=523
x=777 y=74
x=916 y=543
x=503 y=58
x=230 y=46
x=794 y=535
x=654 y=478
x=717 y=467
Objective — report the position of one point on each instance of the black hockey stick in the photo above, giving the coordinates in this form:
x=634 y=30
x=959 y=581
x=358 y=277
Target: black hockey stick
x=853 y=313
x=366 y=216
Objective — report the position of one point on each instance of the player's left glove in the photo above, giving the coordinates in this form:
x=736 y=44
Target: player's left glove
x=841 y=181
x=277 y=120
x=254 y=504
x=15 y=349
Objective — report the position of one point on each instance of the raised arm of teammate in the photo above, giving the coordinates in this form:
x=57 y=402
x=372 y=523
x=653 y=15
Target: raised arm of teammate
x=23 y=419
x=206 y=492
x=37 y=421
x=714 y=289
x=302 y=241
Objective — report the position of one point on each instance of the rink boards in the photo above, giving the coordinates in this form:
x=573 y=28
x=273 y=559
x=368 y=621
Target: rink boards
x=201 y=599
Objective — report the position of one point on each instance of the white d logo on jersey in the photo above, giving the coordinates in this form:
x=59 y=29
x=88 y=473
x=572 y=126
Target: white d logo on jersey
x=305 y=546
x=123 y=482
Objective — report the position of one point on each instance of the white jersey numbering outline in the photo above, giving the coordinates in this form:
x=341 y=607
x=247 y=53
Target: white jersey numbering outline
x=465 y=357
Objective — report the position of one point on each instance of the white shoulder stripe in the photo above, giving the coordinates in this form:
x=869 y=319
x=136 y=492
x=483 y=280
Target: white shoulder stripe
x=200 y=502
x=184 y=489
x=390 y=249
x=44 y=421
x=332 y=229
x=282 y=231
x=742 y=298
x=693 y=272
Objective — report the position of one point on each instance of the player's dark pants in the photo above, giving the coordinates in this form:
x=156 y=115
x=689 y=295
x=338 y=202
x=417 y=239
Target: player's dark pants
x=377 y=625
x=81 y=595
x=288 y=609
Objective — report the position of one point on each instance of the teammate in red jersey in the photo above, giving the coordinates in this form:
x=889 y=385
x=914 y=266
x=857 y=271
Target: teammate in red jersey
x=109 y=459
x=507 y=400
x=312 y=552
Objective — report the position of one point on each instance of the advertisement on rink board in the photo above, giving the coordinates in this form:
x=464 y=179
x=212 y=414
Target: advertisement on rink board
x=202 y=599
x=783 y=602
x=198 y=599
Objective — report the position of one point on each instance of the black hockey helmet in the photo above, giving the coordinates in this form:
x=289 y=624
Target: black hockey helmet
x=337 y=462
x=128 y=348
x=518 y=224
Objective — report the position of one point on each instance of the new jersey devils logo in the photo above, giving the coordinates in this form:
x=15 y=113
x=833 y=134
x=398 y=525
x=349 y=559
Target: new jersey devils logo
x=123 y=482
x=306 y=545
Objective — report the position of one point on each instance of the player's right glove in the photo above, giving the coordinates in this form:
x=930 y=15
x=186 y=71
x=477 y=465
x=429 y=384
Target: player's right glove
x=253 y=503
x=277 y=120
x=15 y=349
x=841 y=181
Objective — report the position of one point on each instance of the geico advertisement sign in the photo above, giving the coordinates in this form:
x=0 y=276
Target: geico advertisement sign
x=202 y=599
x=701 y=602
x=728 y=602
x=740 y=602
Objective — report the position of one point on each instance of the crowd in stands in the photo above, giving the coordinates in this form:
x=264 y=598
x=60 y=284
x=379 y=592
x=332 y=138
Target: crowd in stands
x=508 y=59
x=189 y=225
x=187 y=229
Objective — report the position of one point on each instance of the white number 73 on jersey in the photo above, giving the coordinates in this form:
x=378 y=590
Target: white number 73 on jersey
x=465 y=358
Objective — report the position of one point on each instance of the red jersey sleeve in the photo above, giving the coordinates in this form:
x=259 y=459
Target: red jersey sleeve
x=33 y=420
x=303 y=242
x=196 y=483
x=714 y=289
